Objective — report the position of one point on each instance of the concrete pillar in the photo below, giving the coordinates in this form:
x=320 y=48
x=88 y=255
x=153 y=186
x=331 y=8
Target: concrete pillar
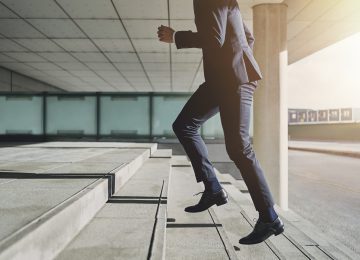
x=270 y=99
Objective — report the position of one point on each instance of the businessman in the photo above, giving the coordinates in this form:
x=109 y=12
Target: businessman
x=231 y=74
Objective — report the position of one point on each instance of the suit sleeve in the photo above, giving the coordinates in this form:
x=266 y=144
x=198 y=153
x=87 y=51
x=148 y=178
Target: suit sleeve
x=250 y=38
x=211 y=17
x=187 y=39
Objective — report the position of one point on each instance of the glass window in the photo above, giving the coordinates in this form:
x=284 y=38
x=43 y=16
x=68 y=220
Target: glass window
x=21 y=115
x=212 y=128
x=346 y=114
x=165 y=110
x=124 y=115
x=71 y=115
x=334 y=115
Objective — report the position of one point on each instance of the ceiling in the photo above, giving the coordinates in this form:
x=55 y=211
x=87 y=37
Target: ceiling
x=112 y=45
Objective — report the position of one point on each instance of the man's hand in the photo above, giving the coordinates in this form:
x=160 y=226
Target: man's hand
x=165 y=34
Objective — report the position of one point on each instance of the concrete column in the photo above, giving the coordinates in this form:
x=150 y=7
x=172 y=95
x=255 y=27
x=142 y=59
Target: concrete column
x=270 y=99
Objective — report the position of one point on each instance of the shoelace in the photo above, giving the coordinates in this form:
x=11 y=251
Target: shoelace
x=198 y=193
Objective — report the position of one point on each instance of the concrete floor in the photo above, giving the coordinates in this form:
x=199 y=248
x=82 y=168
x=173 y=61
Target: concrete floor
x=325 y=189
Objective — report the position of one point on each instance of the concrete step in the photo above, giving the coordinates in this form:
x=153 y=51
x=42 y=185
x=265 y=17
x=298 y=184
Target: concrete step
x=49 y=199
x=300 y=240
x=192 y=236
x=80 y=144
x=131 y=225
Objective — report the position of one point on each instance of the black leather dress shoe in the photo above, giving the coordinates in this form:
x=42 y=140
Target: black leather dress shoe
x=262 y=231
x=207 y=200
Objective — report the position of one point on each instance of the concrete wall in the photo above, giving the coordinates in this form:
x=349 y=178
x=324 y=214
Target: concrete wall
x=5 y=79
x=326 y=132
x=14 y=82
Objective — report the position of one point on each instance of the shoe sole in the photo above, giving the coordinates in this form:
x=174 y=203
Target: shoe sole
x=219 y=203
x=279 y=231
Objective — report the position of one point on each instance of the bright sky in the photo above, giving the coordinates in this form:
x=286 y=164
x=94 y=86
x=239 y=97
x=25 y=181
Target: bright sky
x=329 y=78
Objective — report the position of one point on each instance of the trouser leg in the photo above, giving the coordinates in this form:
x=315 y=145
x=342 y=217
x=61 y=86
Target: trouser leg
x=235 y=110
x=200 y=107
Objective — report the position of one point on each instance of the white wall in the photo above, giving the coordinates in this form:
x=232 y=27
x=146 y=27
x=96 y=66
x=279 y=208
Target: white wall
x=20 y=83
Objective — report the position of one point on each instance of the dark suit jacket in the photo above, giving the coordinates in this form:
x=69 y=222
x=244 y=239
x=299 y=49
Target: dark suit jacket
x=226 y=43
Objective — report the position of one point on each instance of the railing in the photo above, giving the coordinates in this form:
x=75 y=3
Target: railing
x=95 y=115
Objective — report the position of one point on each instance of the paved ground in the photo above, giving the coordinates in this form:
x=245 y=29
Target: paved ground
x=325 y=189
x=351 y=149
x=339 y=146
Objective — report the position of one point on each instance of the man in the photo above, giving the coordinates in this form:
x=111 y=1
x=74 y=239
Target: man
x=231 y=73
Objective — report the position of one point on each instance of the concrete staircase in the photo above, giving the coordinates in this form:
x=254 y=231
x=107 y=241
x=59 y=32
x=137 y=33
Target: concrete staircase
x=50 y=191
x=126 y=201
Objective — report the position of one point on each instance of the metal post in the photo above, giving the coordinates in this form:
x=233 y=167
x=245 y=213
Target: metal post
x=11 y=81
x=97 y=116
x=44 y=115
x=151 y=114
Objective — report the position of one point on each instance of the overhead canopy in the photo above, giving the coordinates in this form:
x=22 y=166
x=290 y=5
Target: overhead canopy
x=112 y=45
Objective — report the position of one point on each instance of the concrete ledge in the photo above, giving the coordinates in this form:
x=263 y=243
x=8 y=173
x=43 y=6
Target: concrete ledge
x=123 y=174
x=127 y=145
x=162 y=153
x=334 y=148
x=44 y=237
x=180 y=161
x=327 y=151
x=47 y=235
x=132 y=224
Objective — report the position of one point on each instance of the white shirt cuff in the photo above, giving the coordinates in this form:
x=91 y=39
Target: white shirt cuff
x=174 y=36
